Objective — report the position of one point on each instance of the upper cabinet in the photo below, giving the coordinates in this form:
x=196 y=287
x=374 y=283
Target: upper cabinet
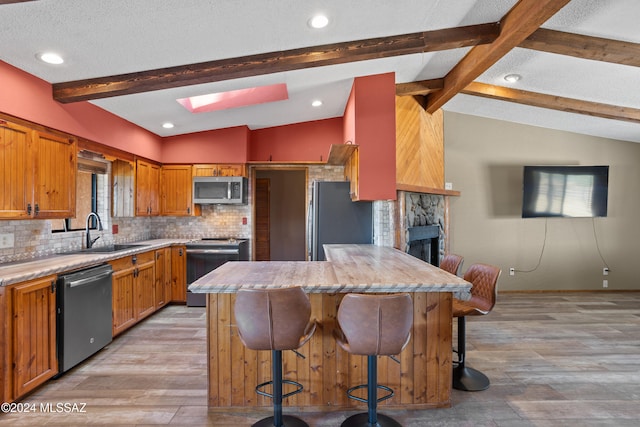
x=38 y=173
x=122 y=188
x=147 y=189
x=219 y=170
x=176 y=191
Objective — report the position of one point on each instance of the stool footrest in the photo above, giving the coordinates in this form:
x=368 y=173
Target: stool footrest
x=389 y=394
x=298 y=389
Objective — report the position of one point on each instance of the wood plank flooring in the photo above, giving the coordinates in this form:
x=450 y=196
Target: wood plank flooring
x=553 y=359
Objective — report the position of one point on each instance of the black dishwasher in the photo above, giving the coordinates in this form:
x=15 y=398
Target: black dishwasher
x=84 y=315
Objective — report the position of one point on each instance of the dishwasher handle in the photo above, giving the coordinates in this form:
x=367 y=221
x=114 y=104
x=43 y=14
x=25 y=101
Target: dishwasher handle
x=86 y=280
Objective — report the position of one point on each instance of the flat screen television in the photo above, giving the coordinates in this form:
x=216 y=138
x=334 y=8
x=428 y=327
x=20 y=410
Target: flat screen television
x=565 y=191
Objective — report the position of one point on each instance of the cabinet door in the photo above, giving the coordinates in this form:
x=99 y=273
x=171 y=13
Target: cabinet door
x=123 y=299
x=54 y=191
x=205 y=170
x=231 y=170
x=175 y=184
x=15 y=170
x=163 y=277
x=147 y=189
x=34 y=334
x=179 y=273
x=144 y=283
x=154 y=190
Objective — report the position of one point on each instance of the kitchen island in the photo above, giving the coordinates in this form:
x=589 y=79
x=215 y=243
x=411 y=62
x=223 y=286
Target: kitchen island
x=422 y=379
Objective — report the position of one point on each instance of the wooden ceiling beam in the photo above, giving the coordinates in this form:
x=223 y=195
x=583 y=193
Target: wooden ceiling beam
x=274 y=62
x=569 y=105
x=585 y=47
x=519 y=23
x=422 y=87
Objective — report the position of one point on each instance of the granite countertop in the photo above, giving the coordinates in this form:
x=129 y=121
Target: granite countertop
x=21 y=271
x=349 y=268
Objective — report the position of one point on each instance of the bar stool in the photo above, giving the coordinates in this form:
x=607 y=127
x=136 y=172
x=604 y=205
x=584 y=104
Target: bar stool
x=373 y=325
x=276 y=320
x=483 y=297
x=452 y=263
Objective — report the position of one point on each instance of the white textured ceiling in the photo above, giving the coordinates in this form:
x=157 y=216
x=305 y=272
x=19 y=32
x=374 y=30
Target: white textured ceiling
x=101 y=38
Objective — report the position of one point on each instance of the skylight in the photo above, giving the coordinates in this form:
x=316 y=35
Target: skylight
x=235 y=98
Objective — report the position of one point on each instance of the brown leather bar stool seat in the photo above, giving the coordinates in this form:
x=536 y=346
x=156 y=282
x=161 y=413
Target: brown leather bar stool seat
x=452 y=263
x=373 y=325
x=276 y=320
x=484 y=279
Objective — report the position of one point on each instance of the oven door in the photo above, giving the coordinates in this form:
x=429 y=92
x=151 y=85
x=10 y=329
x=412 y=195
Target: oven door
x=201 y=261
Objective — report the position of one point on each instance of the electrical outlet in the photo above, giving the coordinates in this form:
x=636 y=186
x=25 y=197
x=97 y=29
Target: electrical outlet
x=605 y=271
x=512 y=271
x=605 y=283
x=6 y=240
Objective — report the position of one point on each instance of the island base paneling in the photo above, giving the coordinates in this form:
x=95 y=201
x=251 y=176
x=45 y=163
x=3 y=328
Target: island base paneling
x=422 y=379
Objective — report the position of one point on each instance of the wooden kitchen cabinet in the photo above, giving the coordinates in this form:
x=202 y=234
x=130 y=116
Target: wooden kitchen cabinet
x=32 y=334
x=176 y=191
x=147 y=188
x=133 y=283
x=226 y=169
x=39 y=177
x=179 y=273
x=163 y=277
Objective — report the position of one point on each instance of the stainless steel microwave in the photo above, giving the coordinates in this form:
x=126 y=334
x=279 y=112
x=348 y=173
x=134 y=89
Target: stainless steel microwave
x=219 y=190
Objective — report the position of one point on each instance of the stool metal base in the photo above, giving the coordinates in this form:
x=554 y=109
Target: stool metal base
x=287 y=421
x=469 y=379
x=362 y=420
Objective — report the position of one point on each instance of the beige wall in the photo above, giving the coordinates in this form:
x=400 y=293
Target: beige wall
x=484 y=159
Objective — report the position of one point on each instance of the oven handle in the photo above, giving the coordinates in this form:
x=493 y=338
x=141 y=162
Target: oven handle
x=213 y=251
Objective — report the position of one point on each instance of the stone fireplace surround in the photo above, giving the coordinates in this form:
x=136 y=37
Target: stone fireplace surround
x=422 y=216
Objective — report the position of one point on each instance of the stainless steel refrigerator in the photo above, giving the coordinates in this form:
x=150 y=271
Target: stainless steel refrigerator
x=334 y=218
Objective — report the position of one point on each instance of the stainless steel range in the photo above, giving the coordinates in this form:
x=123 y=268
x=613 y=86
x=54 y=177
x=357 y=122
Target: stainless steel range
x=208 y=254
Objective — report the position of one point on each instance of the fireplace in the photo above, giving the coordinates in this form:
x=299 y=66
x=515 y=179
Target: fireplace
x=422 y=219
x=424 y=242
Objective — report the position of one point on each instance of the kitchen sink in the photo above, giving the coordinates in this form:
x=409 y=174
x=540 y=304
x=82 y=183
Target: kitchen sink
x=103 y=249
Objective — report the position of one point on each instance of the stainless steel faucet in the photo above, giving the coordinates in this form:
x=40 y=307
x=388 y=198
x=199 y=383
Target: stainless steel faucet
x=89 y=241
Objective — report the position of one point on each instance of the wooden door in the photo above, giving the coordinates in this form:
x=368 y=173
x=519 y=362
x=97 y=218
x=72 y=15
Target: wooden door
x=162 y=286
x=54 y=191
x=147 y=189
x=15 y=171
x=122 y=188
x=154 y=190
x=263 y=221
x=179 y=273
x=34 y=334
x=122 y=299
x=205 y=170
x=176 y=190
x=231 y=170
x=144 y=284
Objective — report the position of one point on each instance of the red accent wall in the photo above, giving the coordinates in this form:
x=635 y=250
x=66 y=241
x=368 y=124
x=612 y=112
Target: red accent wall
x=371 y=119
x=27 y=97
x=230 y=145
x=308 y=141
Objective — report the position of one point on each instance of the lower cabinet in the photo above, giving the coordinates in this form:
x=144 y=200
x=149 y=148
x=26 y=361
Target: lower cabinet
x=163 y=277
x=133 y=289
x=179 y=273
x=30 y=336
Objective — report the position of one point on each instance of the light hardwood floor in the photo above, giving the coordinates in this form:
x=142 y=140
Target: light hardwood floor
x=553 y=359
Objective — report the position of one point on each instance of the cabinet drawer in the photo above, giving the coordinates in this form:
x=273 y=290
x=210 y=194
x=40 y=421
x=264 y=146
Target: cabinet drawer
x=128 y=261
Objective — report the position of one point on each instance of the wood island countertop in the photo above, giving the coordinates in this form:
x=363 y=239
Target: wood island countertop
x=349 y=268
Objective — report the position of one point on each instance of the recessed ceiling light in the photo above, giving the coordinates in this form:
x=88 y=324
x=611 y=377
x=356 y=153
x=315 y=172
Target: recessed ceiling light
x=512 y=78
x=316 y=103
x=318 y=21
x=50 y=58
x=167 y=125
